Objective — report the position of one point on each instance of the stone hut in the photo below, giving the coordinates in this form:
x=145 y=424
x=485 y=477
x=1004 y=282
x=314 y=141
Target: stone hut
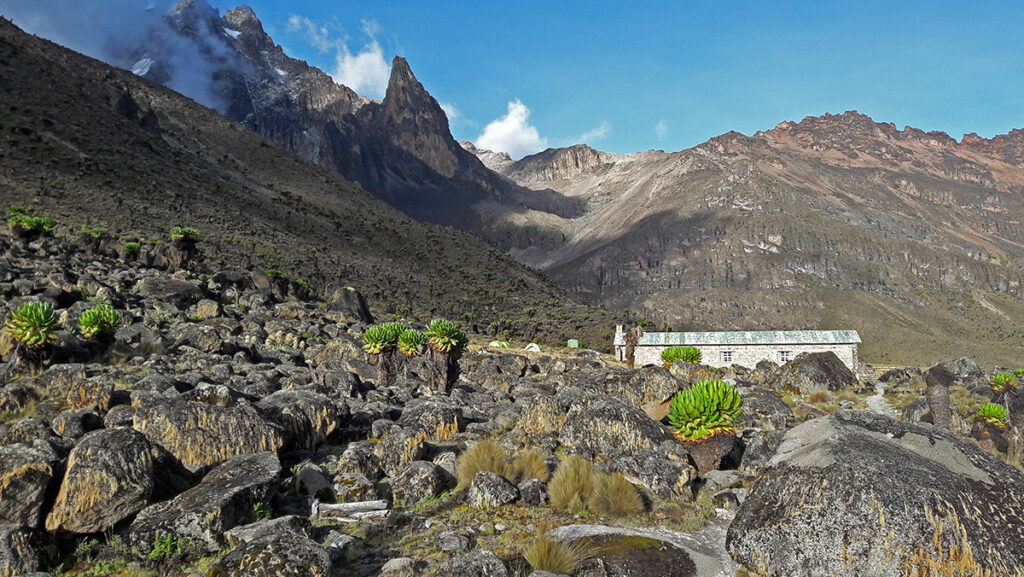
x=744 y=348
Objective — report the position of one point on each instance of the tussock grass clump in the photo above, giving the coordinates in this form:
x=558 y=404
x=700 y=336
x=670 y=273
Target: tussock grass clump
x=546 y=554
x=572 y=484
x=483 y=456
x=615 y=496
x=529 y=464
x=818 y=397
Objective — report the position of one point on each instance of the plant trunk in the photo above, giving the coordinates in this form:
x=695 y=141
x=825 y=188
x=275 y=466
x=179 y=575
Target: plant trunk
x=387 y=364
x=444 y=371
x=707 y=453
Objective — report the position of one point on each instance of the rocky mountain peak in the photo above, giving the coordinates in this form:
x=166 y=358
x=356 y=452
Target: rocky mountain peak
x=193 y=17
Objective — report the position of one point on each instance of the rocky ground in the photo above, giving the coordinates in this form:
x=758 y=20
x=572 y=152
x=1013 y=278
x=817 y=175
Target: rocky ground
x=234 y=426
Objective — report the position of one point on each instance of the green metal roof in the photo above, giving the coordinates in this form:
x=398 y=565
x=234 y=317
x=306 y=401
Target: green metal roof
x=751 y=338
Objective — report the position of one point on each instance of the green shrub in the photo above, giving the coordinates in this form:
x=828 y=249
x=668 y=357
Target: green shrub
x=260 y=511
x=529 y=464
x=546 y=554
x=16 y=210
x=382 y=337
x=614 y=496
x=26 y=223
x=686 y=354
x=185 y=234
x=132 y=247
x=445 y=337
x=166 y=547
x=33 y=324
x=483 y=456
x=705 y=409
x=93 y=232
x=1004 y=381
x=274 y=273
x=100 y=320
x=411 y=342
x=572 y=484
x=994 y=414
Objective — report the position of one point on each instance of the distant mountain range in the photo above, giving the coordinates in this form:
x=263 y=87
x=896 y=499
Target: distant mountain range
x=912 y=238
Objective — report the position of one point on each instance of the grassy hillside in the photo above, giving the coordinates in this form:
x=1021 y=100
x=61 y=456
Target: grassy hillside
x=87 y=144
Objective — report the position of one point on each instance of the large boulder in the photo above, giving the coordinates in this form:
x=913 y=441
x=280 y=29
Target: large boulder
x=202 y=435
x=419 y=480
x=306 y=418
x=764 y=409
x=282 y=554
x=226 y=497
x=109 y=478
x=25 y=473
x=639 y=552
x=608 y=427
x=810 y=372
x=178 y=292
x=857 y=493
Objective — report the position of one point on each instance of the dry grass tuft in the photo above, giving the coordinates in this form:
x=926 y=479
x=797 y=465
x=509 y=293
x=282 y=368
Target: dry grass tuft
x=953 y=557
x=528 y=464
x=546 y=554
x=614 y=496
x=571 y=486
x=483 y=456
x=819 y=397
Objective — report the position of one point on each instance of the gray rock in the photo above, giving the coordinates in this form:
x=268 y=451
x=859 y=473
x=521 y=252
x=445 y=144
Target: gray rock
x=224 y=499
x=452 y=542
x=607 y=427
x=533 y=492
x=759 y=447
x=667 y=471
x=73 y=424
x=23 y=551
x=816 y=509
x=353 y=487
x=310 y=481
x=419 y=480
x=966 y=370
x=479 y=563
x=730 y=498
x=436 y=417
x=253 y=531
x=763 y=408
x=202 y=435
x=637 y=552
x=491 y=490
x=306 y=418
x=341 y=546
x=810 y=372
x=283 y=554
x=25 y=473
x=360 y=457
x=109 y=478
x=399 y=449
x=180 y=293
x=398 y=567
x=713 y=481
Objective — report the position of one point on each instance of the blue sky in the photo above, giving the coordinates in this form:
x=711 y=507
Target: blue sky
x=626 y=77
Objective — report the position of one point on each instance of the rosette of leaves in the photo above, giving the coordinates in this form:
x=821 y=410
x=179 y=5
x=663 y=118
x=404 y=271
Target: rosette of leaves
x=22 y=224
x=677 y=353
x=1003 y=381
x=993 y=414
x=379 y=338
x=99 y=321
x=705 y=409
x=444 y=336
x=185 y=234
x=411 y=342
x=33 y=324
x=132 y=247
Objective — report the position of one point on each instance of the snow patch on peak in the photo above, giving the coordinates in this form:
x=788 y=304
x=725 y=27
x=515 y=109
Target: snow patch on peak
x=232 y=33
x=280 y=72
x=141 y=68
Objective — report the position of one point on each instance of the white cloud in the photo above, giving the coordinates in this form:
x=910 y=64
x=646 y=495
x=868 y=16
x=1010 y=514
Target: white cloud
x=512 y=133
x=317 y=36
x=595 y=134
x=366 y=70
x=661 y=128
x=451 y=112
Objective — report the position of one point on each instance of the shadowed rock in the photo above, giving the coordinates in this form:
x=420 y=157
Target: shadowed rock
x=109 y=478
x=283 y=554
x=861 y=494
x=810 y=372
x=24 y=474
x=224 y=499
